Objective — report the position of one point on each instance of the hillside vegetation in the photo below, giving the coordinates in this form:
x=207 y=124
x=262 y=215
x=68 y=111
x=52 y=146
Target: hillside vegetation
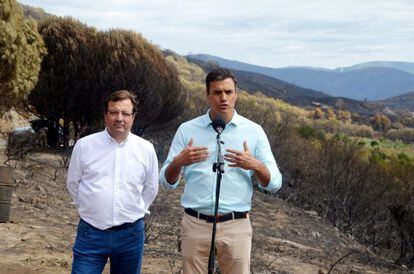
x=362 y=186
x=21 y=52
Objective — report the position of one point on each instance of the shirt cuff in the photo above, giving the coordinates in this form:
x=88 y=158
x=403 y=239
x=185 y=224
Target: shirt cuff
x=274 y=185
x=165 y=183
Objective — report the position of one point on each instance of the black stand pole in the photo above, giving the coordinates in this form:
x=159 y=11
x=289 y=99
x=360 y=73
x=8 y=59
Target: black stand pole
x=218 y=167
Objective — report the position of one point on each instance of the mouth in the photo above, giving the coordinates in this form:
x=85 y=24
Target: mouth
x=224 y=106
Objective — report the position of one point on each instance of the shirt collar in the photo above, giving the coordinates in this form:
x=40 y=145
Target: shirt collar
x=111 y=139
x=235 y=120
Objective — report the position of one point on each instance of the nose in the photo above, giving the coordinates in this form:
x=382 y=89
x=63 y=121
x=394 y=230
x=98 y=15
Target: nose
x=223 y=97
x=119 y=116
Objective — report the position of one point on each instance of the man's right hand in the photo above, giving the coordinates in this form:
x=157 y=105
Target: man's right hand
x=189 y=155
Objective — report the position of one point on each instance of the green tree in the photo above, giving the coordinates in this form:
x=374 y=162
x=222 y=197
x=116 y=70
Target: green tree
x=21 y=52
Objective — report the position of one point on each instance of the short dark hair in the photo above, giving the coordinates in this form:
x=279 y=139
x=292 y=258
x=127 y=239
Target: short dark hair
x=122 y=95
x=219 y=74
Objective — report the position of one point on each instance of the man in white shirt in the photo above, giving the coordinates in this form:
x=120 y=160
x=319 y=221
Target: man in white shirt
x=113 y=179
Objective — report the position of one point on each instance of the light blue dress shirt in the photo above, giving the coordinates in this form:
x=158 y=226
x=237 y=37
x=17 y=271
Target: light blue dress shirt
x=236 y=186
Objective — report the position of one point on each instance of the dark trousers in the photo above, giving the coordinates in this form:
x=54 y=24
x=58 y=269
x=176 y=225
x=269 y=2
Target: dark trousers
x=123 y=246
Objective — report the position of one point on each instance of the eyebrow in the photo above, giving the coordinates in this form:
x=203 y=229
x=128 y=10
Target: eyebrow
x=229 y=89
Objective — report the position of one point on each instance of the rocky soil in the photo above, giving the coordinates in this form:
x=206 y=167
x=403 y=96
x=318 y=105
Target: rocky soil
x=40 y=234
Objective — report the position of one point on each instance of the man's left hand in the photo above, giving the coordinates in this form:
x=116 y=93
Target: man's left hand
x=243 y=159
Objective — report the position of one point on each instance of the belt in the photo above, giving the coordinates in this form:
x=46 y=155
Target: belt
x=113 y=228
x=220 y=218
x=119 y=227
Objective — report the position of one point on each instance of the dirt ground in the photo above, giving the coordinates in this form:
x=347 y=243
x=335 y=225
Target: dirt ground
x=41 y=231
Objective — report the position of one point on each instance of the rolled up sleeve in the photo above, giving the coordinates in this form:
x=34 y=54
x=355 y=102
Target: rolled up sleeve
x=264 y=154
x=177 y=146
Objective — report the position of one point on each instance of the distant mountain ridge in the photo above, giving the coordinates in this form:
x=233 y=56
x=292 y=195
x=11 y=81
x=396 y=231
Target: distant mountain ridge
x=360 y=82
x=403 y=101
x=404 y=66
x=253 y=82
x=295 y=95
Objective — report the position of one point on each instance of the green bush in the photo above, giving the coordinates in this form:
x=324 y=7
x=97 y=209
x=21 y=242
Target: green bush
x=21 y=52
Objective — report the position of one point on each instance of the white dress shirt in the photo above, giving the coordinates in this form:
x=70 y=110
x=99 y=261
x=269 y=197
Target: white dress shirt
x=112 y=183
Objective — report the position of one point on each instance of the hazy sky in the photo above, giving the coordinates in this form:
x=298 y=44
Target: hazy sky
x=275 y=33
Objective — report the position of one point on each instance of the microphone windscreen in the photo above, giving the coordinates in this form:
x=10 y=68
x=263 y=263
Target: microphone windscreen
x=218 y=124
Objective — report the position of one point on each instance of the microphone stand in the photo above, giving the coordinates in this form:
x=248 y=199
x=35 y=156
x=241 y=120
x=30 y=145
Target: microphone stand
x=218 y=167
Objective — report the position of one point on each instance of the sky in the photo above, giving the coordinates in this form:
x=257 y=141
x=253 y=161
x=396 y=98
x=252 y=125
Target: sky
x=273 y=33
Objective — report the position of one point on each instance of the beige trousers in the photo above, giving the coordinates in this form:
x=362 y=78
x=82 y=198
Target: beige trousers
x=233 y=244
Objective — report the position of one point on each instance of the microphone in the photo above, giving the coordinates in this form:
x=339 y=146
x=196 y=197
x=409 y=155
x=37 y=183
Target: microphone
x=218 y=124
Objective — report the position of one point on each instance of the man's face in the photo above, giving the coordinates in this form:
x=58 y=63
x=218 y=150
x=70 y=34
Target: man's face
x=119 y=118
x=222 y=96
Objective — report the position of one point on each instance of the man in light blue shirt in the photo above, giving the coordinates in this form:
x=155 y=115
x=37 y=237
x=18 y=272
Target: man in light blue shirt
x=193 y=153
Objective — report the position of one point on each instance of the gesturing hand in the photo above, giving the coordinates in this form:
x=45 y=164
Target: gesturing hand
x=243 y=159
x=190 y=155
